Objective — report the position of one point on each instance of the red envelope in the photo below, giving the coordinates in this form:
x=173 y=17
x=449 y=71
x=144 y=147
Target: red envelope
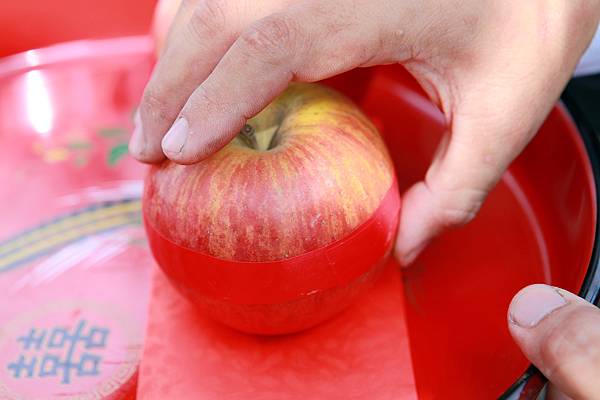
x=361 y=354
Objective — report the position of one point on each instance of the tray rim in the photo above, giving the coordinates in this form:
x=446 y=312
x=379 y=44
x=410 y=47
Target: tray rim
x=74 y=51
x=531 y=382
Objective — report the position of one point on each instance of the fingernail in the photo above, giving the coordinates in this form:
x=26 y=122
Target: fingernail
x=176 y=137
x=137 y=141
x=533 y=304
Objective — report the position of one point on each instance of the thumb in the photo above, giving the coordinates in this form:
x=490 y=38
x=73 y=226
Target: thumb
x=493 y=108
x=469 y=162
x=560 y=334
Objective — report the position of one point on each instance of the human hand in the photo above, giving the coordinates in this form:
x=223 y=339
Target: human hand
x=495 y=68
x=560 y=334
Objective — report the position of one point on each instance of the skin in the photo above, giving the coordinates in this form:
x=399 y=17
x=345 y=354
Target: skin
x=559 y=333
x=495 y=68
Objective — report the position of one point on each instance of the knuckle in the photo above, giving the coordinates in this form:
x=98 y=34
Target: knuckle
x=202 y=102
x=156 y=104
x=459 y=207
x=208 y=19
x=458 y=216
x=568 y=343
x=554 y=348
x=271 y=36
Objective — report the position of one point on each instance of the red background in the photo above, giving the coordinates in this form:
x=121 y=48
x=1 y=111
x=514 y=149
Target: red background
x=28 y=24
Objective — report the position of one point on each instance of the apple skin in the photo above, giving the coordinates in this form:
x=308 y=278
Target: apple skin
x=312 y=173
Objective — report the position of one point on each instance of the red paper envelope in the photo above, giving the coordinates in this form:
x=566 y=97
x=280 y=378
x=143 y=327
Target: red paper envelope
x=362 y=354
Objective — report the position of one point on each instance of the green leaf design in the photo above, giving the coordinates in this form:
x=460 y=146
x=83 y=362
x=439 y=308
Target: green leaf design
x=81 y=161
x=112 y=132
x=116 y=153
x=79 y=145
x=138 y=241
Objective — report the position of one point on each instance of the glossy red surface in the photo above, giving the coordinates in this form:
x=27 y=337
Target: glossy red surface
x=72 y=248
x=31 y=24
x=70 y=89
x=253 y=282
x=363 y=353
x=537 y=225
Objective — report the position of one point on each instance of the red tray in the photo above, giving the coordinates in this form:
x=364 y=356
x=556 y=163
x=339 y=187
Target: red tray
x=32 y=24
x=74 y=267
x=537 y=225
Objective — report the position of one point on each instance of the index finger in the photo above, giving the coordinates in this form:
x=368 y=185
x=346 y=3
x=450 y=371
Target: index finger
x=202 y=33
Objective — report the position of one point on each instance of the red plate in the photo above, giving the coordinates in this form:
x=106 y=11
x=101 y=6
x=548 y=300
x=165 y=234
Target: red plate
x=74 y=267
x=537 y=225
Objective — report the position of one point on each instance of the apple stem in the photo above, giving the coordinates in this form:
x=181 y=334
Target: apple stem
x=274 y=138
x=248 y=135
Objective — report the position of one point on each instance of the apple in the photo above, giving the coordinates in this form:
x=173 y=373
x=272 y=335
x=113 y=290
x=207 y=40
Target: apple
x=287 y=224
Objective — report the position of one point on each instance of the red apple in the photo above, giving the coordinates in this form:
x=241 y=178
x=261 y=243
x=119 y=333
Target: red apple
x=283 y=227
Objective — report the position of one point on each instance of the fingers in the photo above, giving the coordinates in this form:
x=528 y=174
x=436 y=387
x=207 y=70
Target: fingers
x=257 y=67
x=560 y=334
x=487 y=130
x=468 y=164
x=230 y=58
x=202 y=32
x=201 y=36
x=250 y=75
x=490 y=96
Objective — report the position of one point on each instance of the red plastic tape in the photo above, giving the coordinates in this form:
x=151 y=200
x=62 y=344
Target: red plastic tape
x=271 y=282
